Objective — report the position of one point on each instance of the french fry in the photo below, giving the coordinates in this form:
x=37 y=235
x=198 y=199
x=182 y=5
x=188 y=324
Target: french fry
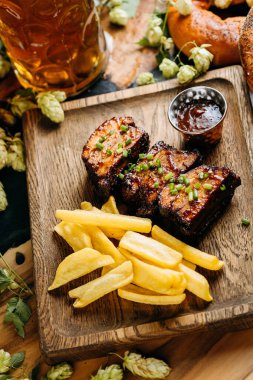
x=93 y=290
x=86 y=206
x=102 y=244
x=110 y=206
x=78 y=264
x=189 y=253
x=196 y=283
x=160 y=280
x=136 y=294
x=74 y=234
x=150 y=249
x=189 y=264
x=99 y=219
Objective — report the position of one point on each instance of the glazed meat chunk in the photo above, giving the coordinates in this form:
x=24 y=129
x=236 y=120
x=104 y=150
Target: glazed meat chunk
x=191 y=207
x=158 y=167
x=110 y=148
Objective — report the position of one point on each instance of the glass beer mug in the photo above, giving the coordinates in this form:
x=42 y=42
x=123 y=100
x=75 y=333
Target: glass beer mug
x=53 y=44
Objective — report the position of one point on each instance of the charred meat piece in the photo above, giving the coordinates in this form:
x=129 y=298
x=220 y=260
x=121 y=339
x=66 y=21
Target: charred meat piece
x=158 y=167
x=110 y=148
x=191 y=207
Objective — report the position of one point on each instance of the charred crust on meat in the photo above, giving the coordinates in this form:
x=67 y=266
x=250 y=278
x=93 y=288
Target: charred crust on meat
x=103 y=158
x=141 y=188
x=192 y=219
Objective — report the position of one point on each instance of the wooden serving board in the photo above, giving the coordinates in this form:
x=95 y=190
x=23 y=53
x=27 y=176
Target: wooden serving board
x=57 y=179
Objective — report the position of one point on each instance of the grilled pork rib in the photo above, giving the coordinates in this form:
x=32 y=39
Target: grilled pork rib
x=215 y=187
x=110 y=148
x=142 y=185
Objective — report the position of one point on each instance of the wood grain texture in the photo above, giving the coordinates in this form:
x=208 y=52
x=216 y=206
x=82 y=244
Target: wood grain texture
x=212 y=355
x=57 y=179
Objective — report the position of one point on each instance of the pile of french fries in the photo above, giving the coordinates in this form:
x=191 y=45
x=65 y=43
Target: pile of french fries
x=155 y=269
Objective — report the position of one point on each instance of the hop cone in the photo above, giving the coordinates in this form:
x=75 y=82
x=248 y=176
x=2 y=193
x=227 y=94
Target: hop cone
x=50 y=106
x=5 y=67
x=3 y=205
x=16 y=157
x=5 y=361
x=112 y=372
x=59 y=372
x=149 y=368
x=3 y=154
x=19 y=105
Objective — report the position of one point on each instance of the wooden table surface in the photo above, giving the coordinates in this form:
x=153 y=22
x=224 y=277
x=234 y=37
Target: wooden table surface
x=209 y=355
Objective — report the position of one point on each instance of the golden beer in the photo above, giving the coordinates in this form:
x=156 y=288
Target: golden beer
x=53 y=44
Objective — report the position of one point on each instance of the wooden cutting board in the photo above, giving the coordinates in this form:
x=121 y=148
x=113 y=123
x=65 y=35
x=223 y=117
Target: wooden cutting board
x=57 y=179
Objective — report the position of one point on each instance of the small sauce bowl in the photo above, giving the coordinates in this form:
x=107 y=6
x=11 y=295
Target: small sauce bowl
x=205 y=137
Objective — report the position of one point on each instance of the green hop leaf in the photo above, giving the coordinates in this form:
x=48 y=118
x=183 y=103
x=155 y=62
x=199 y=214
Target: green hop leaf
x=59 y=372
x=5 y=67
x=50 y=106
x=18 y=313
x=20 y=104
x=3 y=198
x=16 y=155
x=3 y=154
x=112 y=372
x=145 y=78
x=5 y=280
x=5 y=361
x=17 y=359
x=150 y=368
x=23 y=310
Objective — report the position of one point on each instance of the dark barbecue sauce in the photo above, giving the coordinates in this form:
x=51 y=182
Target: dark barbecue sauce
x=198 y=115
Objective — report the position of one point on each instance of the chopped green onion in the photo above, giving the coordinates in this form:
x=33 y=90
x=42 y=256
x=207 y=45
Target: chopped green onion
x=195 y=194
x=125 y=153
x=102 y=139
x=179 y=186
x=138 y=168
x=120 y=145
x=121 y=176
x=124 y=128
x=142 y=156
x=151 y=164
x=187 y=189
x=207 y=186
x=181 y=178
x=172 y=186
x=187 y=181
x=150 y=157
x=119 y=151
x=190 y=196
x=169 y=176
x=99 y=146
x=173 y=192
x=160 y=170
x=222 y=187
x=108 y=152
x=245 y=222
x=131 y=166
x=156 y=185
x=158 y=163
x=197 y=185
x=111 y=132
x=144 y=167
x=201 y=175
x=129 y=141
x=206 y=175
